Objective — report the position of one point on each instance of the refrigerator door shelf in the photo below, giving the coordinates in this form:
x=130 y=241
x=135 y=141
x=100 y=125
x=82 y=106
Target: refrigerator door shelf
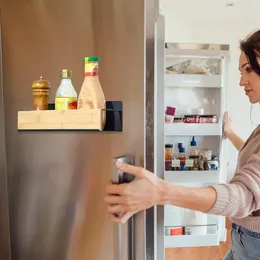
x=199 y=229
x=193 y=81
x=192 y=176
x=188 y=53
x=191 y=241
x=184 y=129
x=73 y=120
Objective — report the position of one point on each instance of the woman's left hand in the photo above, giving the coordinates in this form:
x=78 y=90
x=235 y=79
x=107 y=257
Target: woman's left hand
x=142 y=193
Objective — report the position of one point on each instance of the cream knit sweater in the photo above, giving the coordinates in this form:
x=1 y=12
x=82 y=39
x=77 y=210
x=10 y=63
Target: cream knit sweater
x=240 y=199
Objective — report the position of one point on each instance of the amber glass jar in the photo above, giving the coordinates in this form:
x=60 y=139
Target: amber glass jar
x=168 y=152
x=41 y=89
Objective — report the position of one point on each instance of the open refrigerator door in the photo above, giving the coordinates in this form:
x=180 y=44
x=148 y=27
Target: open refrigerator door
x=195 y=150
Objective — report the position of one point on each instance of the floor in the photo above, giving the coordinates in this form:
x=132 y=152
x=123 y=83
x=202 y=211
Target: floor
x=202 y=253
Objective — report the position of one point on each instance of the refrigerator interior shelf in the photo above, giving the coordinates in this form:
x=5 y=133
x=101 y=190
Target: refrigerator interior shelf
x=73 y=120
x=192 y=176
x=191 y=240
x=185 y=129
x=196 y=53
x=193 y=80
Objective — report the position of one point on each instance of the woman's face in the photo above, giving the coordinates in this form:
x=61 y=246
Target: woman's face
x=249 y=79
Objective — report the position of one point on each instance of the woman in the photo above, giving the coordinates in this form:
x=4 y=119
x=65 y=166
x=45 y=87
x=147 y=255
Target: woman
x=239 y=200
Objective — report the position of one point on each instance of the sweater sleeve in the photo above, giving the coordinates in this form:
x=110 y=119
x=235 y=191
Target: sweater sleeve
x=241 y=196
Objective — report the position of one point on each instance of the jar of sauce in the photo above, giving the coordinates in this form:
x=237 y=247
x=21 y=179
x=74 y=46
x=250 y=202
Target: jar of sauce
x=213 y=163
x=208 y=119
x=168 y=157
x=91 y=95
x=191 y=119
x=41 y=89
x=168 y=152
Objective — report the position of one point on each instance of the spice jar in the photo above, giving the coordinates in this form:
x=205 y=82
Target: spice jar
x=192 y=119
x=41 y=89
x=168 y=157
x=208 y=119
x=168 y=152
x=213 y=163
x=170 y=112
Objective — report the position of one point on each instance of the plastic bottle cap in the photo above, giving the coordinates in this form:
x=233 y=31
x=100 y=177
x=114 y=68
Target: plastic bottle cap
x=182 y=150
x=66 y=74
x=91 y=59
x=193 y=142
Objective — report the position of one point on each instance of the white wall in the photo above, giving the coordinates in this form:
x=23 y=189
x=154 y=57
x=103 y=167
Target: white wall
x=187 y=23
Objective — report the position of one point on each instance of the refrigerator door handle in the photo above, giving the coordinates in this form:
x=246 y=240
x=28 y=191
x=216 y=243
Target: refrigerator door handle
x=131 y=238
x=120 y=177
x=130 y=254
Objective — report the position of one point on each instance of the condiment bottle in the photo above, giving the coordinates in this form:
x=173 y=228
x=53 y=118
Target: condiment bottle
x=194 y=154
x=91 y=95
x=66 y=95
x=195 y=223
x=168 y=152
x=168 y=157
x=182 y=158
x=179 y=145
x=41 y=89
x=214 y=163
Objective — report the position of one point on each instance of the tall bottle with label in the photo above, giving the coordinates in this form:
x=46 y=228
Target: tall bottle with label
x=182 y=158
x=66 y=95
x=91 y=95
x=194 y=154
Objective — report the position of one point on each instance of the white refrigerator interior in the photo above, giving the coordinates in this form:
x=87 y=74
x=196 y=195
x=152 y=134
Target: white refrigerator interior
x=195 y=150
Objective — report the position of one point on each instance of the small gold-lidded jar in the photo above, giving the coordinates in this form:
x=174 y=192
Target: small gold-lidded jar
x=41 y=89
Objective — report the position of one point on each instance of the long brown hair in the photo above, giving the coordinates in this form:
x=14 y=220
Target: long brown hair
x=251 y=47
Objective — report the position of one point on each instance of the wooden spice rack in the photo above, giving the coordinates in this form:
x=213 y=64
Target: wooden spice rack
x=73 y=120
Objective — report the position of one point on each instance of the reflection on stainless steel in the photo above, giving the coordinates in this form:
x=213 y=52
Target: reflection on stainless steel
x=56 y=180
x=159 y=129
x=151 y=15
x=4 y=220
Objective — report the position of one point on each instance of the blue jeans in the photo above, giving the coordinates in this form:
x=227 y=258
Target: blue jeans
x=245 y=244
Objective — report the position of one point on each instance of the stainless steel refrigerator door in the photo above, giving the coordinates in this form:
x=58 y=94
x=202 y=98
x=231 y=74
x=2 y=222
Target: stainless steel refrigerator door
x=4 y=213
x=154 y=122
x=159 y=128
x=56 y=181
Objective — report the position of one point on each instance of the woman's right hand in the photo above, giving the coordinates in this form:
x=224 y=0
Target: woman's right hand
x=228 y=129
x=230 y=134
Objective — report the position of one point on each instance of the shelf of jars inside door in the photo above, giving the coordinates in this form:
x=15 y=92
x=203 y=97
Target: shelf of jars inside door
x=189 y=159
x=192 y=71
x=190 y=112
x=186 y=228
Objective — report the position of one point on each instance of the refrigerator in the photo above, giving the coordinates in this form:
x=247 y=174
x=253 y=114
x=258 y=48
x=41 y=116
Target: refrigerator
x=196 y=92
x=52 y=183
